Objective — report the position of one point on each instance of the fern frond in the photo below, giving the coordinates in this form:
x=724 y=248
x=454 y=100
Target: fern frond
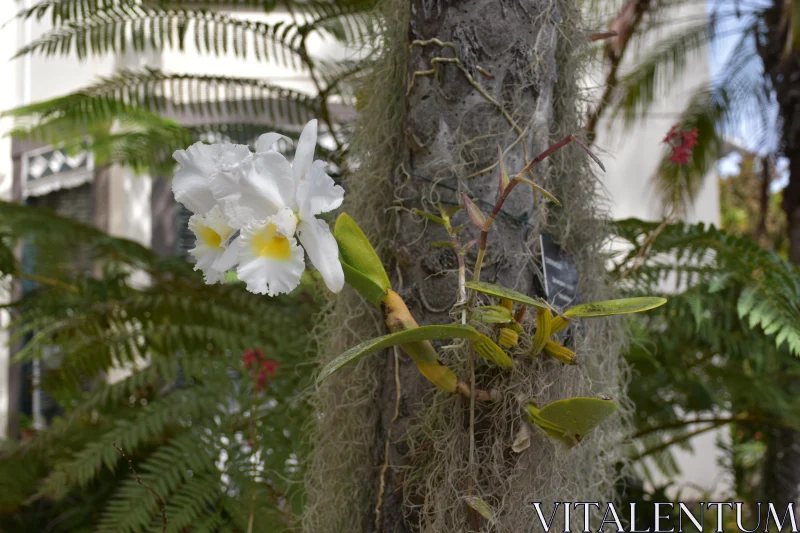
x=700 y=254
x=183 y=407
x=143 y=27
x=65 y=11
x=174 y=94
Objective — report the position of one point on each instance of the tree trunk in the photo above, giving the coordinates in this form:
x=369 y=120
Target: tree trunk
x=480 y=73
x=783 y=71
x=454 y=132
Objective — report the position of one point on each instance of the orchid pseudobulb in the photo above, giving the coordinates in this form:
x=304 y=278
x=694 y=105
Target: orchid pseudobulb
x=269 y=201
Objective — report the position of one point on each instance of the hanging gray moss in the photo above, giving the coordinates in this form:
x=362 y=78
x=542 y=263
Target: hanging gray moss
x=406 y=158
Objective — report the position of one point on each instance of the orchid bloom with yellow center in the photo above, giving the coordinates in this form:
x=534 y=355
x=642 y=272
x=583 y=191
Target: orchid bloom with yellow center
x=269 y=202
x=212 y=255
x=212 y=252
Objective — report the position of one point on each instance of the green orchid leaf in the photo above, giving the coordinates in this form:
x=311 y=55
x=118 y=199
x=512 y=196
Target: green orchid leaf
x=483 y=345
x=572 y=419
x=370 y=290
x=502 y=292
x=432 y=218
x=356 y=252
x=615 y=307
x=492 y=314
x=481 y=507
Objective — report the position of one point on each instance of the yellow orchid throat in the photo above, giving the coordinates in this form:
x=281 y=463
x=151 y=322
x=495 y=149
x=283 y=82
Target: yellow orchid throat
x=269 y=243
x=211 y=238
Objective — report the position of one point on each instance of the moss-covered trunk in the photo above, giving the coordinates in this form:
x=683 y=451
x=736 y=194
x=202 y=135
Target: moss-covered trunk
x=393 y=454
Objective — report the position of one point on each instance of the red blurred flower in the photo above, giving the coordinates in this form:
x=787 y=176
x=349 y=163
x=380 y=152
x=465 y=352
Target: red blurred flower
x=682 y=144
x=261 y=367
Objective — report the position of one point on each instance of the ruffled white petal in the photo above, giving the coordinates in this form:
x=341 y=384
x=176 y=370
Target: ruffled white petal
x=270 y=261
x=198 y=162
x=255 y=189
x=192 y=191
x=304 y=155
x=321 y=247
x=318 y=194
x=231 y=154
x=265 y=141
x=228 y=259
x=210 y=254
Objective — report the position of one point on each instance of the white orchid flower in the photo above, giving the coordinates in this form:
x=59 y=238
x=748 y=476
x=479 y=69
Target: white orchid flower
x=198 y=162
x=213 y=257
x=271 y=201
x=213 y=253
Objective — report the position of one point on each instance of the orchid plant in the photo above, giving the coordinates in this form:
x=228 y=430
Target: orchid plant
x=257 y=212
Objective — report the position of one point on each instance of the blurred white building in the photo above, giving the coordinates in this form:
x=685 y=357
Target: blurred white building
x=142 y=209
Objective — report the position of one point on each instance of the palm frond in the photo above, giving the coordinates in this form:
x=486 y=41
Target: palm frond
x=652 y=76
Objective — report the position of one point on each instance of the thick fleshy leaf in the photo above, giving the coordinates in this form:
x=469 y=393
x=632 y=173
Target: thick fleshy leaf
x=422 y=333
x=502 y=292
x=321 y=247
x=356 y=251
x=579 y=415
x=572 y=419
x=365 y=286
x=481 y=507
x=615 y=307
x=492 y=314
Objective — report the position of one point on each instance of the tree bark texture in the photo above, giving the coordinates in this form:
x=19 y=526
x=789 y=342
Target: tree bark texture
x=481 y=73
x=783 y=72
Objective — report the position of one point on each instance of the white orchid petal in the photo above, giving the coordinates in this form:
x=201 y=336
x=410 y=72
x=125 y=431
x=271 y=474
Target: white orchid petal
x=192 y=190
x=210 y=231
x=255 y=189
x=270 y=262
x=199 y=161
x=265 y=141
x=229 y=257
x=199 y=157
x=321 y=247
x=304 y=155
x=231 y=154
x=317 y=194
